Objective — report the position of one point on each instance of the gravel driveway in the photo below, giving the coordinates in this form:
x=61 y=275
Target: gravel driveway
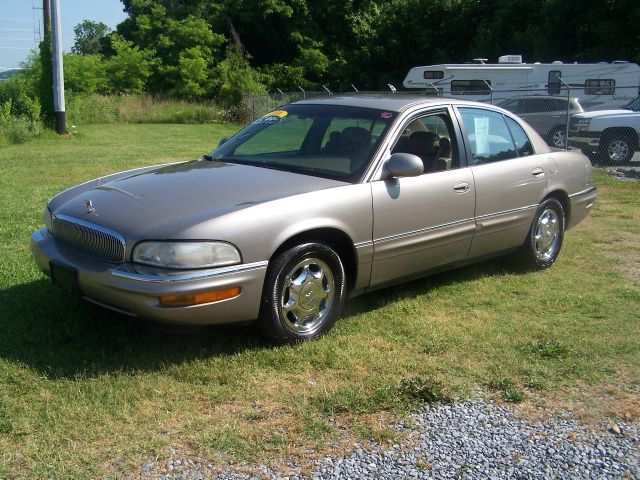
x=468 y=440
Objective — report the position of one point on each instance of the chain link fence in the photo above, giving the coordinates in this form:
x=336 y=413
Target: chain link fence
x=549 y=111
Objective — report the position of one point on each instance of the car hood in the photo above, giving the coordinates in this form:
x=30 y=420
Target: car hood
x=163 y=201
x=604 y=113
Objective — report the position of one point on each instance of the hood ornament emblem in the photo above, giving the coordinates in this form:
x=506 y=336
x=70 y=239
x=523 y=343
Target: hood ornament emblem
x=89 y=206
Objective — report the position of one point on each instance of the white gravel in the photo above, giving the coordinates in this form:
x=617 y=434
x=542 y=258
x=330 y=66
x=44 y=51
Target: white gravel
x=467 y=440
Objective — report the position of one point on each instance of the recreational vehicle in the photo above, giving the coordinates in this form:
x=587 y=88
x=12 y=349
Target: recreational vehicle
x=597 y=86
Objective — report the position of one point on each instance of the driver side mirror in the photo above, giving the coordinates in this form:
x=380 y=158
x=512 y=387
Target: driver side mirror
x=222 y=141
x=402 y=164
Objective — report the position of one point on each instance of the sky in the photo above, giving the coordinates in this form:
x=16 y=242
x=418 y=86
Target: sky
x=21 y=24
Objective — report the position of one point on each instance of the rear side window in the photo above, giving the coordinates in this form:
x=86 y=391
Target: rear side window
x=520 y=137
x=488 y=135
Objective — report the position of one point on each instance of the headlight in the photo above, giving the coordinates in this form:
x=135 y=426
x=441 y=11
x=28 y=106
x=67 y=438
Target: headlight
x=186 y=255
x=48 y=219
x=584 y=122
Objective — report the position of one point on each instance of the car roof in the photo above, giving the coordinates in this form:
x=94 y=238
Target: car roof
x=392 y=102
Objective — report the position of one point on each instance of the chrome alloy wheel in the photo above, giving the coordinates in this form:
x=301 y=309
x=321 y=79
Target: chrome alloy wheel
x=307 y=295
x=547 y=234
x=618 y=151
x=559 y=139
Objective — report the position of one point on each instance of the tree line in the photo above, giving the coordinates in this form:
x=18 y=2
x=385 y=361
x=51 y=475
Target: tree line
x=204 y=49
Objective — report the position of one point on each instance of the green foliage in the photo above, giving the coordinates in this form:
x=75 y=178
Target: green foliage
x=45 y=80
x=130 y=67
x=427 y=390
x=551 y=349
x=89 y=37
x=85 y=74
x=235 y=77
x=96 y=109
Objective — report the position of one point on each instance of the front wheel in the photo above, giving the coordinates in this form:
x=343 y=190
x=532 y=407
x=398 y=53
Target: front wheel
x=303 y=294
x=616 y=150
x=543 y=243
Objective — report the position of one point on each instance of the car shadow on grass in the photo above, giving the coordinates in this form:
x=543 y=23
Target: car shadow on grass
x=61 y=336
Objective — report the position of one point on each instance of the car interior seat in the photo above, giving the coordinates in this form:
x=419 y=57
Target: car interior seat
x=355 y=143
x=443 y=157
x=426 y=146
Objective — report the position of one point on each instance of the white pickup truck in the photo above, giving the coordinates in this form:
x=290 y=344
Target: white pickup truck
x=611 y=134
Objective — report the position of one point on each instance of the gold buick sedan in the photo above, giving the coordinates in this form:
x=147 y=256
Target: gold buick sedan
x=316 y=201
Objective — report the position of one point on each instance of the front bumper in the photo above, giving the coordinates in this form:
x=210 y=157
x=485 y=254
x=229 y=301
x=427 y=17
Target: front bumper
x=584 y=140
x=123 y=289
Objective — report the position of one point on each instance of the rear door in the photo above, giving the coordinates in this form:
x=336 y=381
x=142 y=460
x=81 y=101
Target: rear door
x=510 y=179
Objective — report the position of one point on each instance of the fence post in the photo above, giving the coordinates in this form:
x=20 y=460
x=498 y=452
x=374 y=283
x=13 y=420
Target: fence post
x=566 y=131
x=253 y=107
x=490 y=90
x=304 y=94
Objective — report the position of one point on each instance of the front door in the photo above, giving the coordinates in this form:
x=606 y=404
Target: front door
x=423 y=222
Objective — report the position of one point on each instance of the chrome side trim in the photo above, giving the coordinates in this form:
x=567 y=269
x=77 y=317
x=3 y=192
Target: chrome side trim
x=366 y=243
x=201 y=275
x=513 y=210
x=422 y=230
x=583 y=192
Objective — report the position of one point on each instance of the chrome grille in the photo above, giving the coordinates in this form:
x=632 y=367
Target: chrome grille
x=88 y=238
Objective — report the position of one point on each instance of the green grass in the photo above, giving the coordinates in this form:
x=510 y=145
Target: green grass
x=85 y=392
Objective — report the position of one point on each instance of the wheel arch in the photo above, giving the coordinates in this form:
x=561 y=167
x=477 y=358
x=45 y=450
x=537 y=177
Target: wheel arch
x=627 y=132
x=564 y=200
x=333 y=237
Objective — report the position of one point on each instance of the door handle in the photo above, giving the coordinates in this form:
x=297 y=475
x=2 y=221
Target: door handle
x=538 y=172
x=461 y=187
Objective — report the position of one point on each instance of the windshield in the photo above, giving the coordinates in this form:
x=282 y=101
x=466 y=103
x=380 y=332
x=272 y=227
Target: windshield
x=634 y=105
x=328 y=141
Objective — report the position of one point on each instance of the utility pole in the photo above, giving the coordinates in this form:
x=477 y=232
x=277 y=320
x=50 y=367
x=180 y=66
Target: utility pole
x=58 y=74
x=46 y=17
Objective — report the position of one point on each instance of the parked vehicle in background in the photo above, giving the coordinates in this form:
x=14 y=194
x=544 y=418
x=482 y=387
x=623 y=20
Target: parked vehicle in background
x=314 y=202
x=548 y=115
x=597 y=86
x=612 y=135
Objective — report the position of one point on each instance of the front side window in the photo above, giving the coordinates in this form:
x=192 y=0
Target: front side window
x=328 y=141
x=488 y=135
x=430 y=137
x=600 y=87
x=471 y=87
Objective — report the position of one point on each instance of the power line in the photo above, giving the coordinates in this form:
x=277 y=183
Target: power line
x=17 y=29
x=17 y=39
x=16 y=48
x=15 y=19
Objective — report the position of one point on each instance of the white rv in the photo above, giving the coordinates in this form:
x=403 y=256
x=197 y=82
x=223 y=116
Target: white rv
x=597 y=86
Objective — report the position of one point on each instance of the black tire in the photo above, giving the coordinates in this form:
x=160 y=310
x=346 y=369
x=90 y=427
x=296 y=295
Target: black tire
x=544 y=240
x=313 y=269
x=557 y=137
x=616 y=149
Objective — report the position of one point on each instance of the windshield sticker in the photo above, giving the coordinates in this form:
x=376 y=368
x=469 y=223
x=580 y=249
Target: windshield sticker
x=268 y=120
x=386 y=115
x=278 y=113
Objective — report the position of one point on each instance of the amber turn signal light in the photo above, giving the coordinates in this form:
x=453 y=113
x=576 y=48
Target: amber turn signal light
x=188 y=299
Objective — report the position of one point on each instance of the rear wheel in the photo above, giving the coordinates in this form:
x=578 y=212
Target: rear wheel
x=545 y=237
x=303 y=294
x=558 y=137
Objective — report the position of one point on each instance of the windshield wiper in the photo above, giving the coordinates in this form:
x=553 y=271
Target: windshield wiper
x=208 y=157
